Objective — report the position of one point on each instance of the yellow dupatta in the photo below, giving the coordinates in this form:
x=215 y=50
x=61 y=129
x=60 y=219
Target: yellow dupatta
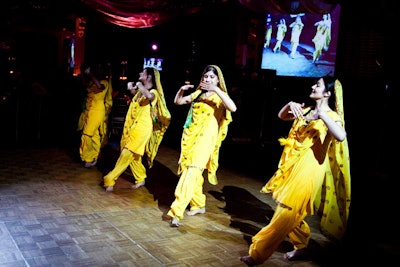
x=162 y=118
x=108 y=103
x=333 y=200
x=212 y=165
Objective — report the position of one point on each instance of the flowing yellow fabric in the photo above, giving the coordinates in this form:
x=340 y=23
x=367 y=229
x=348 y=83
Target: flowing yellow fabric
x=138 y=124
x=268 y=239
x=212 y=120
x=268 y=34
x=280 y=35
x=108 y=103
x=333 y=200
x=126 y=159
x=161 y=121
x=82 y=117
x=189 y=190
x=91 y=120
x=319 y=40
x=302 y=165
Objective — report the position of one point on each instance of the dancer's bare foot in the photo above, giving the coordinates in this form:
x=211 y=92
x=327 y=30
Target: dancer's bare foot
x=137 y=185
x=293 y=255
x=248 y=260
x=175 y=222
x=194 y=212
x=90 y=164
x=109 y=189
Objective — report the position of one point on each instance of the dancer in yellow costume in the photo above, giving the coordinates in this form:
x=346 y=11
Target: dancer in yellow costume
x=280 y=35
x=146 y=121
x=313 y=176
x=91 y=122
x=322 y=36
x=328 y=23
x=268 y=31
x=205 y=128
x=297 y=27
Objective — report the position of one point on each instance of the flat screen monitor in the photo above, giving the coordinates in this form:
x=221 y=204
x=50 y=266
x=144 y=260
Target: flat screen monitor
x=301 y=45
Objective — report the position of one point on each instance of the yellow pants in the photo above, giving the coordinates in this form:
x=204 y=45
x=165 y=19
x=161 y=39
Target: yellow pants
x=189 y=190
x=284 y=223
x=90 y=147
x=126 y=158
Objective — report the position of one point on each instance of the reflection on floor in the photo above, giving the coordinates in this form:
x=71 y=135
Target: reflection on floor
x=55 y=212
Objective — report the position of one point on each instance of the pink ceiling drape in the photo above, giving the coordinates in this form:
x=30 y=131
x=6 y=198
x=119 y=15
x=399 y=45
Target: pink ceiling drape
x=141 y=13
x=149 y=13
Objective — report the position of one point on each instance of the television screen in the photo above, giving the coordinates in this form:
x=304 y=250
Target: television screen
x=301 y=45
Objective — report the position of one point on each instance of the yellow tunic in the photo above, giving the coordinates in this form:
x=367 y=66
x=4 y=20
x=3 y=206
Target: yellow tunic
x=201 y=141
x=280 y=35
x=281 y=32
x=268 y=35
x=138 y=125
x=296 y=32
x=295 y=186
x=91 y=121
x=320 y=40
x=302 y=165
x=108 y=103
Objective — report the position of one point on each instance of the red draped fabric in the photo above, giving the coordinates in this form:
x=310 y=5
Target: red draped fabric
x=149 y=13
x=141 y=13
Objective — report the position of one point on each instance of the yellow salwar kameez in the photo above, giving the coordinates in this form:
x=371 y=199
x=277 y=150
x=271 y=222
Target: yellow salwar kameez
x=268 y=35
x=145 y=124
x=91 y=121
x=319 y=40
x=297 y=28
x=313 y=175
x=280 y=35
x=200 y=144
x=108 y=103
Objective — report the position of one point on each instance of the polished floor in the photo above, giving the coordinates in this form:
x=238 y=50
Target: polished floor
x=55 y=212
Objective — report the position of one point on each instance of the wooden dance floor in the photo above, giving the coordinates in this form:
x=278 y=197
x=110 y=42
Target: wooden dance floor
x=55 y=212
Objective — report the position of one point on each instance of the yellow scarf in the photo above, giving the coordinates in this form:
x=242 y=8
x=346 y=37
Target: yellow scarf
x=333 y=200
x=161 y=123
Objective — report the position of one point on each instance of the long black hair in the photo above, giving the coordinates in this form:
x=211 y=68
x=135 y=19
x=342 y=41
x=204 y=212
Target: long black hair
x=329 y=82
x=150 y=71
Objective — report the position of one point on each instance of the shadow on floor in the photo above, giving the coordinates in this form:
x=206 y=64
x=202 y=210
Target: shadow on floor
x=241 y=204
x=161 y=183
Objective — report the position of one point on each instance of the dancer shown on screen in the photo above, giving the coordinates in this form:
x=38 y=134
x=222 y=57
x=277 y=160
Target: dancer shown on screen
x=328 y=22
x=297 y=27
x=280 y=34
x=268 y=31
x=322 y=36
